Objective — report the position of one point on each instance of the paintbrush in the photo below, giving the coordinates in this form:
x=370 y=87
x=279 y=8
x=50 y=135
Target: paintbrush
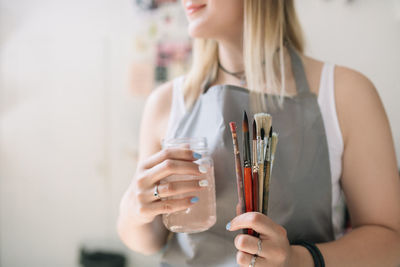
x=260 y=159
x=273 y=149
x=247 y=168
x=267 y=173
x=263 y=122
x=255 y=168
x=267 y=124
x=239 y=177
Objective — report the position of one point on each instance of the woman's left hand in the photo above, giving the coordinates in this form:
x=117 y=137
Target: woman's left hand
x=275 y=247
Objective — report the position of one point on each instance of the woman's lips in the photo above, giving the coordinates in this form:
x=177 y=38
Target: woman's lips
x=191 y=8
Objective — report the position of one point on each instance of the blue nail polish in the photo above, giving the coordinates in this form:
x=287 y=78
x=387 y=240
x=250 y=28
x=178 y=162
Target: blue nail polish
x=194 y=200
x=196 y=155
x=228 y=226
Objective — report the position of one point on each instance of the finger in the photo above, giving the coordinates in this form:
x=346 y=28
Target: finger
x=273 y=252
x=238 y=210
x=247 y=243
x=167 y=206
x=177 y=153
x=244 y=259
x=260 y=223
x=177 y=188
x=177 y=167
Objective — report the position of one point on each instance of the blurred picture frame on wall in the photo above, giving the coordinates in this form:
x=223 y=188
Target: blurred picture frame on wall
x=152 y=4
x=162 y=46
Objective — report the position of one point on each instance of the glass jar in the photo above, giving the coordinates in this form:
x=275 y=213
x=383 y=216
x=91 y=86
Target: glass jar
x=202 y=215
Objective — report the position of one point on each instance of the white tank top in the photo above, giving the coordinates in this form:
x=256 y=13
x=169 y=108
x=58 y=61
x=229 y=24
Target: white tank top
x=326 y=102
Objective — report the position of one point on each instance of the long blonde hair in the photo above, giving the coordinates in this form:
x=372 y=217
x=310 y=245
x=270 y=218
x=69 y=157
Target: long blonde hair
x=268 y=24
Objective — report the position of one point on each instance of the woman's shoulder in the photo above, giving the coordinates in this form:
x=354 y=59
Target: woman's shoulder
x=353 y=91
x=158 y=108
x=348 y=82
x=160 y=95
x=342 y=73
x=346 y=79
x=356 y=98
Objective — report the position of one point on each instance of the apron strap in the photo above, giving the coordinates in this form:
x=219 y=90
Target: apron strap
x=298 y=71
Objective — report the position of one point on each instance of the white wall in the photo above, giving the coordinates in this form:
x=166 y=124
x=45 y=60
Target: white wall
x=69 y=127
x=363 y=35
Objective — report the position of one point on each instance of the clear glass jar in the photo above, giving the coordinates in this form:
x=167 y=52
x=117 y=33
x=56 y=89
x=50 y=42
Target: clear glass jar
x=202 y=215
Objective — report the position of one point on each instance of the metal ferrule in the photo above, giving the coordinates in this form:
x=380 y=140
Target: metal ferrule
x=269 y=150
x=260 y=152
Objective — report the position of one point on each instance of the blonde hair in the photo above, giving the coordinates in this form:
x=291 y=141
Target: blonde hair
x=268 y=24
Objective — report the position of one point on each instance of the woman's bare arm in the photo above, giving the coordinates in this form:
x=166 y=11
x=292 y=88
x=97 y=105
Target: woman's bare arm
x=148 y=238
x=370 y=177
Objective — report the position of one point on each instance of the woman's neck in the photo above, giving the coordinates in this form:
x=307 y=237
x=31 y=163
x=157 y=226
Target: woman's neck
x=231 y=58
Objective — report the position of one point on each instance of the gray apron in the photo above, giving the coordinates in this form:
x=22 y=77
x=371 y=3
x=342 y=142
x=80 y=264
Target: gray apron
x=300 y=188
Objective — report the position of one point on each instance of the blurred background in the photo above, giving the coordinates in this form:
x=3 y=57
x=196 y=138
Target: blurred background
x=74 y=77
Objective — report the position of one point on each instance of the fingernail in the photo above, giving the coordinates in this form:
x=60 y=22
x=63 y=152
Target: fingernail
x=194 y=200
x=196 y=155
x=202 y=169
x=203 y=183
x=228 y=226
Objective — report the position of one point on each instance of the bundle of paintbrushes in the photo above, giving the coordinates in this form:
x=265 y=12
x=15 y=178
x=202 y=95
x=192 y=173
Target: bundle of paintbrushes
x=253 y=186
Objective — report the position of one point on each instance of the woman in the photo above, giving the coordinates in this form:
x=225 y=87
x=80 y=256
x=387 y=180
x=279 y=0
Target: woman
x=337 y=138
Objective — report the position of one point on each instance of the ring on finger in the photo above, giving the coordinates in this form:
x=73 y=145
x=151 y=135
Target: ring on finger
x=156 y=193
x=253 y=260
x=259 y=247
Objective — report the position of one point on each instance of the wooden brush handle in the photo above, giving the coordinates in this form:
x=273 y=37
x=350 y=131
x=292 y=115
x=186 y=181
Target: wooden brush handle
x=248 y=193
x=266 y=187
x=239 y=181
x=255 y=191
x=260 y=186
x=248 y=190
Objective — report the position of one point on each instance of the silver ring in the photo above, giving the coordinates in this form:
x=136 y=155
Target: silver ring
x=259 y=247
x=253 y=261
x=156 y=194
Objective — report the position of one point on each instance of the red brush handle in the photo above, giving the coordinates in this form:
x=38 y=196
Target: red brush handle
x=248 y=189
x=248 y=193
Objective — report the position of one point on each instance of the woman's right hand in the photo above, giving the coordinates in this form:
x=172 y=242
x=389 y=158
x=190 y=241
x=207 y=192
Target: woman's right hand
x=139 y=201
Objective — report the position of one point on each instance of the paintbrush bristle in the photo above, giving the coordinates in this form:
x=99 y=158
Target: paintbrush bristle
x=259 y=117
x=270 y=132
x=262 y=133
x=254 y=130
x=274 y=143
x=264 y=120
x=267 y=123
x=245 y=122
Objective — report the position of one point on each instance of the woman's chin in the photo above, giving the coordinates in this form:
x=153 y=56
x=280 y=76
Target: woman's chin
x=198 y=31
